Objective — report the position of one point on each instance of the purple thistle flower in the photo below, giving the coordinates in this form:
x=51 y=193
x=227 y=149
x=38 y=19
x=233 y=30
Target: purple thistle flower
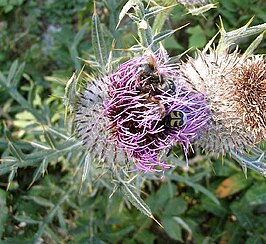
x=150 y=109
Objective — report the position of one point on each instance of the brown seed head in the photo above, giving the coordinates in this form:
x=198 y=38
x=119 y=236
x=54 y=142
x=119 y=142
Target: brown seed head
x=250 y=95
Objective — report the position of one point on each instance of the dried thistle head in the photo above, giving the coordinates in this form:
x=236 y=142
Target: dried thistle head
x=214 y=75
x=249 y=82
x=142 y=110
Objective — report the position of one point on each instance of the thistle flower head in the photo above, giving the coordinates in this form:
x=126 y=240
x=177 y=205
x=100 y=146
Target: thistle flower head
x=220 y=77
x=150 y=110
x=250 y=96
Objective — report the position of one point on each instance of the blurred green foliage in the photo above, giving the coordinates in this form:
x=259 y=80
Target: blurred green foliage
x=211 y=202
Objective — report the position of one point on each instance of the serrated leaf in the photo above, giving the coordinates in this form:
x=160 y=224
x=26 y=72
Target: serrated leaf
x=34 y=158
x=98 y=41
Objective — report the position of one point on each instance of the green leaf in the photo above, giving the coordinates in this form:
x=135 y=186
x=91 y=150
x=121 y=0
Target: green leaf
x=15 y=151
x=182 y=223
x=232 y=185
x=40 y=201
x=201 y=10
x=26 y=219
x=3 y=212
x=50 y=139
x=12 y=72
x=256 y=194
x=175 y=206
x=39 y=171
x=73 y=49
x=250 y=50
x=195 y=186
x=172 y=228
x=163 y=35
x=130 y=4
x=197 y=38
x=18 y=74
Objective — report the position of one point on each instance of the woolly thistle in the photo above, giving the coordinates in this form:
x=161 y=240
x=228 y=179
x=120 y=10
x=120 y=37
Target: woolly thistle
x=142 y=109
x=237 y=112
x=250 y=96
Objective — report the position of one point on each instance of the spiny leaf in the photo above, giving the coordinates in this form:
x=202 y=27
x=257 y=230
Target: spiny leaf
x=202 y=9
x=130 y=4
x=98 y=42
x=133 y=197
x=255 y=162
x=34 y=158
x=163 y=35
x=254 y=45
x=39 y=171
x=154 y=11
x=228 y=38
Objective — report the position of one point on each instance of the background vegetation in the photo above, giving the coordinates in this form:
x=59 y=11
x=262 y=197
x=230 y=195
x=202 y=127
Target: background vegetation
x=42 y=199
